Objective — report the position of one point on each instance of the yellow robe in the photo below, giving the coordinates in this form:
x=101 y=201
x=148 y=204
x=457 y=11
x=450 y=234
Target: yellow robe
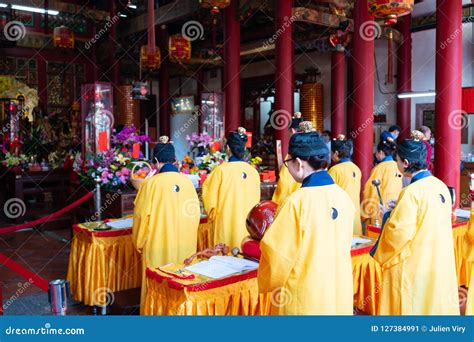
x=228 y=194
x=416 y=253
x=285 y=187
x=391 y=185
x=165 y=221
x=468 y=254
x=306 y=255
x=348 y=176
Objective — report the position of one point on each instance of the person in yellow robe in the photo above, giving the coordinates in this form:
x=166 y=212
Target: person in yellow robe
x=166 y=215
x=306 y=254
x=347 y=175
x=230 y=191
x=391 y=181
x=415 y=248
x=286 y=183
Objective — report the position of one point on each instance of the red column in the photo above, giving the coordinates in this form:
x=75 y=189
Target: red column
x=232 y=67
x=338 y=98
x=281 y=118
x=350 y=91
x=448 y=92
x=164 y=84
x=114 y=63
x=363 y=69
x=404 y=78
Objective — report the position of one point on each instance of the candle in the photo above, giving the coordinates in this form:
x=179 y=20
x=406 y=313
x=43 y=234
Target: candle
x=136 y=151
x=103 y=141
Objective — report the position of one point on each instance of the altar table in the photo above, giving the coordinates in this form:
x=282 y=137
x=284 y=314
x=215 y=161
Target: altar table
x=238 y=294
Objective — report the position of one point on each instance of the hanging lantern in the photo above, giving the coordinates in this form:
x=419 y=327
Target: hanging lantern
x=63 y=37
x=150 y=55
x=215 y=5
x=390 y=10
x=179 y=48
x=150 y=61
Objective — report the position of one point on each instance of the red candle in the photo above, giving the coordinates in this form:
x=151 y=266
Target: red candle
x=249 y=139
x=103 y=141
x=136 y=151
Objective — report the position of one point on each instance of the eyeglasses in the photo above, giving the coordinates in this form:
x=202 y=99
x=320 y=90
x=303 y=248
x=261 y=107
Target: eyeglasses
x=288 y=160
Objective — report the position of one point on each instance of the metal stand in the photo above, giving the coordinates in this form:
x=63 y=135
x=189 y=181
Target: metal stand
x=98 y=200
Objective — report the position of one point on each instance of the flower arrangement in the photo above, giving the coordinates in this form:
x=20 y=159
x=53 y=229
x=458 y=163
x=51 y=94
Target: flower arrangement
x=188 y=167
x=113 y=169
x=211 y=160
x=255 y=162
x=113 y=166
x=126 y=138
x=15 y=161
x=199 y=142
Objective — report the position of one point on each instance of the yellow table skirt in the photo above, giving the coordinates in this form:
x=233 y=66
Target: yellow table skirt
x=463 y=267
x=367 y=276
x=238 y=295
x=102 y=262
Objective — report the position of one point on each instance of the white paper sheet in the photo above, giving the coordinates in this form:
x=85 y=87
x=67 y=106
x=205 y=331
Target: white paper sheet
x=121 y=224
x=463 y=213
x=222 y=266
x=359 y=241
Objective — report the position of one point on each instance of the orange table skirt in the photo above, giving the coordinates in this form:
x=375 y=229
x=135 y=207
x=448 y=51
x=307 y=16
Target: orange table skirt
x=463 y=266
x=102 y=262
x=238 y=295
x=205 y=238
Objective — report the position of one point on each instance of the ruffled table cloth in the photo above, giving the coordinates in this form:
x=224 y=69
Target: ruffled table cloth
x=238 y=294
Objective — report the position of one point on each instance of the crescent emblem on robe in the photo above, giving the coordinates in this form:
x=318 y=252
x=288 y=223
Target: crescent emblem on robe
x=442 y=199
x=334 y=213
x=176 y=188
x=244 y=175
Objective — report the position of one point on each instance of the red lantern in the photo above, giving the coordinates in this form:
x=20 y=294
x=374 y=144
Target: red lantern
x=215 y=5
x=390 y=10
x=63 y=37
x=179 y=48
x=149 y=60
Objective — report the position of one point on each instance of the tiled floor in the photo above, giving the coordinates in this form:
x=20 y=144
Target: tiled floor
x=42 y=253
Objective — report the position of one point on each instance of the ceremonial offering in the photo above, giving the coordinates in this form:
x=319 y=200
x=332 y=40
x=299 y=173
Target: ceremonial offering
x=260 y=218
x=137 y=178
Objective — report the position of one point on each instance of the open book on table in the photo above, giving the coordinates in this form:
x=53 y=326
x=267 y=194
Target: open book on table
x=222 y=266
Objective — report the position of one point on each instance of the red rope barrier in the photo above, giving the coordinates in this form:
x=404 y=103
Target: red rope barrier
x=32 y=277
x=5 y=230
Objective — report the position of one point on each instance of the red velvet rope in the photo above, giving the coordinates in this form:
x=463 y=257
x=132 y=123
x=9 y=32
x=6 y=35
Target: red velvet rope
x=5 y=230
x=25 y=273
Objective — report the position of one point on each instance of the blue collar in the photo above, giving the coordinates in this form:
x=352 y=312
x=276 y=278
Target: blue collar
x=234 y=159
x=387 y=158
x=344 y=160
x=168 y=167
x=319 y=178
x=420 y=175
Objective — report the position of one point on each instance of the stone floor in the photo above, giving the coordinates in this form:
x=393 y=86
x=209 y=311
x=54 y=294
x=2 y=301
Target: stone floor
x=45 y=253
